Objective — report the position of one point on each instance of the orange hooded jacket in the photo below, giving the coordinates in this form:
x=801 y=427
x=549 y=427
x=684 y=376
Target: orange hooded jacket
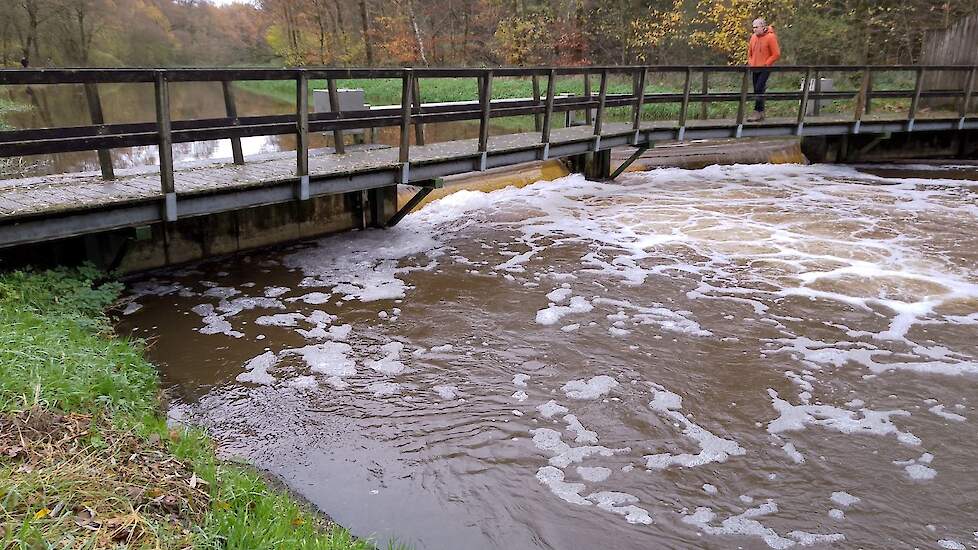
x=763 y=50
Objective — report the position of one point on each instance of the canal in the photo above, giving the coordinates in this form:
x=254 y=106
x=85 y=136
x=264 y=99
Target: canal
x=739 y=356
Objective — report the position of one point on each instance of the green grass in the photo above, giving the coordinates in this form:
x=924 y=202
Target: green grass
x=58 y=353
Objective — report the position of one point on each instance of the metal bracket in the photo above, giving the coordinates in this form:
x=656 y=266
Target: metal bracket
x=483 y=161
x=740 y=130
x=170 y=207
x=597 y=144
x=405 y=175
x=910 y=125
x=545 y=154
x=682 y=134
x=304 y=188
x=628 y=162
x=855 y=127
x=426 y=188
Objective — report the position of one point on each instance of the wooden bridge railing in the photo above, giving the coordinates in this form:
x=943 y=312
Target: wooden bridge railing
x=103 y=137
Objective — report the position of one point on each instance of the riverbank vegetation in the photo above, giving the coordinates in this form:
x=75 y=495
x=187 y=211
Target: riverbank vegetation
x=86 y=459
x=461 y=33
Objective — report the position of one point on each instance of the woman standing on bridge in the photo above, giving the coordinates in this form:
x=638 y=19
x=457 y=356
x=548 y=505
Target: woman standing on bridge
x=762 y=52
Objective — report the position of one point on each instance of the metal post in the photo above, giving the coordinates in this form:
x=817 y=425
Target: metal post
x=685 y=104
x=485 y=103
x=302 y=134
x=95 y=111
x=163 y=127
x=741 y=107
x=231 y=110
x=817 y=109
x=639 y=101
x=403 y=153
x=548 y=112
x=803 y=106
x=599 y=119
x=537 y=119
x=915 y=102
x=969 y=90
x=587 y=97
x=418 y=125
x=704 y=105
x=334 y=105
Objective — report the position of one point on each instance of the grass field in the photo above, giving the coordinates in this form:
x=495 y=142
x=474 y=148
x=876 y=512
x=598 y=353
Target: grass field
x=87 y=460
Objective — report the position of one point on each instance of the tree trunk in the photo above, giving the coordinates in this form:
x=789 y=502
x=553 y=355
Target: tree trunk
x=367 y=42
x=417 y=32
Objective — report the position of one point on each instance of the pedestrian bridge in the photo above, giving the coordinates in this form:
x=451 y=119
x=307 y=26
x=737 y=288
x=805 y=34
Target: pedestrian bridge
x=34 y=210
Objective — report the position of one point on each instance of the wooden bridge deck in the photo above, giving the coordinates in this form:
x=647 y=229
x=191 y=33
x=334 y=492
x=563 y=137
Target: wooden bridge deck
x=31 y=197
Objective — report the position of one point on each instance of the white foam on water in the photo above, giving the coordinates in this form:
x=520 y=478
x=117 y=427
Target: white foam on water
x=590 y=389
x=559 y=295
x=340 y=332
x=563 y=455
x=844 y=499
x=662 y=317
x=793 y=454
x=446 y=391
x=553 y=478
x=939 y=411
x=613 y=501
x=384 y=389
x=712 y=447
x=745 y=524
x=550 y=408
x=920 y=472
x=864 y=421
x=303 y=382
x=520 y=396
x=570 y=328
x=551 y=315
x=710 y=489
x=257 y=369
x=594 y=474
x=835 y=513
x=276 y=291
x=519 y=380
x=950 y=544
x=583 y=435
x=312 y=298
x=329 y=358
x=442 y=349
x=280 y=320
x=390 y=364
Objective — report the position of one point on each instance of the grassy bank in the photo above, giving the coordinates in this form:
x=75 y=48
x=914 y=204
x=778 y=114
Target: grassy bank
x=86 y=459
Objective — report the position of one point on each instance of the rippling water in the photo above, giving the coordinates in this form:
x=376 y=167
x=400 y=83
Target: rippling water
x=744 y=356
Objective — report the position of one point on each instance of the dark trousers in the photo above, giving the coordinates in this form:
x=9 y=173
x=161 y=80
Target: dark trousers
x=760 y=86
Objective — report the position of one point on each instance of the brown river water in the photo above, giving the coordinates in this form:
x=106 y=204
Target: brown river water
x=733 y=357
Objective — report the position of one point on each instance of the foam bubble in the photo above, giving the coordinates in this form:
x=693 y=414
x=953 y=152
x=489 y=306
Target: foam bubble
x=590 y=389
x=257 y=369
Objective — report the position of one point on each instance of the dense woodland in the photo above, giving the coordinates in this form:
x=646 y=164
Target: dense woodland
x=460 y=32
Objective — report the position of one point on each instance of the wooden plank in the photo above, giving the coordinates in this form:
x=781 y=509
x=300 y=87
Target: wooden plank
x=915 y=101
x=485 y=98
x=302 y=125
x=334 y=106
x=537 y=119
x=684 y=106
x=602 y=96
x=231 y=110
x=587 y=96
x=416 y=97
x=742 y=105
x=803 y=104
x=95 y=112
x=705 y=105
x=549 y=107
x=639 y=99
x=162 y=89
x=406 y=89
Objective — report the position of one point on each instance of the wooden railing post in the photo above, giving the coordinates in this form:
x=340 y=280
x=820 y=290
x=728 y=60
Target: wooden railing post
x=587 y=96
x=302 y=133
x=639 y=102
x=339 y=143
x=485 y=103
x=416 y=101
x=95 y=111
x=537 y=119
x=704 y=105
x=803 y=105
x=969 y=90
x=685 y=104
x=915 y=102
x=742 y=106
x=869 y=93
x=599 y=118
x=861 y=100
x=403 y=152
x=548 y=112
x=231 y=109
x=165 y=142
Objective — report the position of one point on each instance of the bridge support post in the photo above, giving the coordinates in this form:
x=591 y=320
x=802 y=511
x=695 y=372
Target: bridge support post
x=95 y=111
x=594 y=165
x=165 y=147
x=231 y=110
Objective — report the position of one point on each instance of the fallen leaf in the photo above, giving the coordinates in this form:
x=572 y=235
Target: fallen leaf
x=296 y=522
x=42 y=513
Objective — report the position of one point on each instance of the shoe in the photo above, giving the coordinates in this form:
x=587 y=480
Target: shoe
x=756 y=116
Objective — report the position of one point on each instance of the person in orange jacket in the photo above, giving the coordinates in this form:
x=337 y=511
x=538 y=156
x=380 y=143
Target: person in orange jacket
x=762 y=52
